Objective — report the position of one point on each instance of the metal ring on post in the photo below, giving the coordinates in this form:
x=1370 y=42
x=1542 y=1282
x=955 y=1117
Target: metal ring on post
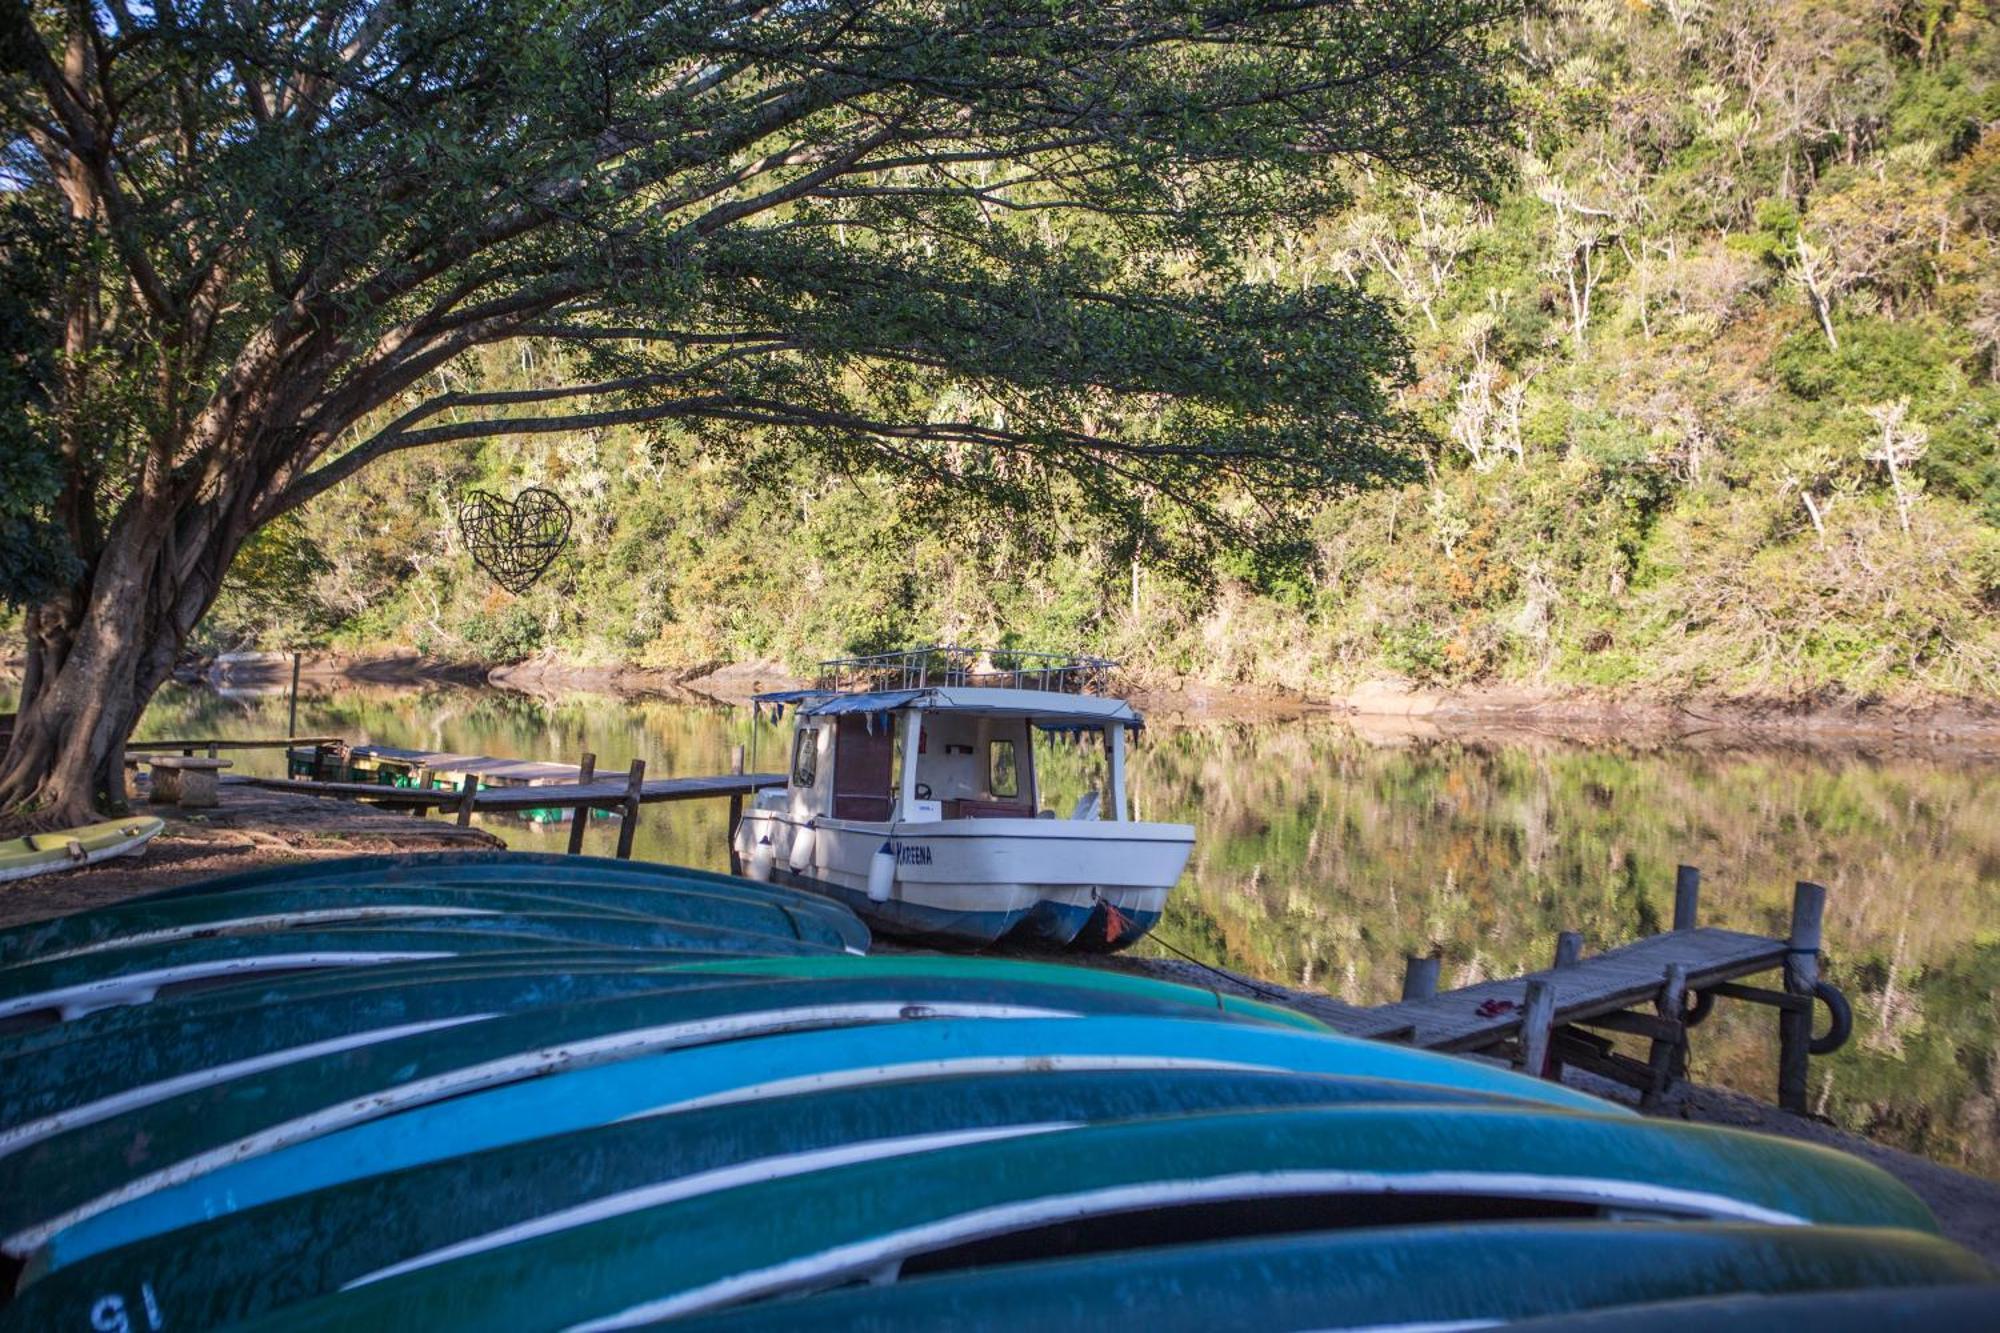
x=1843 y=1019
x=1704 y=1004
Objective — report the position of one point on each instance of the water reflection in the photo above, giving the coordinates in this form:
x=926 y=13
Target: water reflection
x=1326 y=856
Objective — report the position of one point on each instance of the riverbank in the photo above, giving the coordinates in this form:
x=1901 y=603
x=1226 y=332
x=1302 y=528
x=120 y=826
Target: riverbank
x=1383 y=706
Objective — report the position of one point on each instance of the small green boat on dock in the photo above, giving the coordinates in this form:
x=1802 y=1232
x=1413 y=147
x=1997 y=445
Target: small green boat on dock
x=66 y=849
x=500 y=1090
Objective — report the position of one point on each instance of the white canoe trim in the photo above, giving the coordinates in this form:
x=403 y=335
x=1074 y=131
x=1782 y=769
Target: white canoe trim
x=864 y=1256
x=493 y=1073
x=139 y=987
x=14 y=1139
x=971 y=1064
x=1421 y=1326
x=709 y=1182
x=272 y=921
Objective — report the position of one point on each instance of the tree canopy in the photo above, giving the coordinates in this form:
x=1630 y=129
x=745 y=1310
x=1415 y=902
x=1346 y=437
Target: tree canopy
x=986 y=246
x=823 y=217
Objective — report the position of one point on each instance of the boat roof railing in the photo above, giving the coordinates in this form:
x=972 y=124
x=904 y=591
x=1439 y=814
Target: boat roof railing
x=985 y=668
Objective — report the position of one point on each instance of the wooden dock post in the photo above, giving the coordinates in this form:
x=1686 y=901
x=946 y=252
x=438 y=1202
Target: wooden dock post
x=1420 y=977
x=1667 y=1054
x=586 y=770
x=735 y=810
x=1569 y=948
x=628 y=818
x=1537 y=1024
x=467 y=790
x=1801 y=979
x=420 y=781
x=1687 y=897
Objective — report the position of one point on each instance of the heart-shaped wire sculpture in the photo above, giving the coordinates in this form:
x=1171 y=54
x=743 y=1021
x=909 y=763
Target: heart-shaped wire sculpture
x=514 y=540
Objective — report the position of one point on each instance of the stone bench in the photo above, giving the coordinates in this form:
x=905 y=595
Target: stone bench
x=184 y=780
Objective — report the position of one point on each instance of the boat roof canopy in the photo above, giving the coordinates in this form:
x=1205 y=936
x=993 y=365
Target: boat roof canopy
x=1040 y=706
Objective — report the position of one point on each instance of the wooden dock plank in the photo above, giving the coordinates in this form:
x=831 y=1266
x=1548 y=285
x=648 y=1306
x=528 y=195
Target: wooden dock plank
x=485 y=767
x=1616 y=979
x=544 y=796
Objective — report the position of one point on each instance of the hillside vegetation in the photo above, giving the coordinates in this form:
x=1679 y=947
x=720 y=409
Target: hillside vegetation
x=1711 y=397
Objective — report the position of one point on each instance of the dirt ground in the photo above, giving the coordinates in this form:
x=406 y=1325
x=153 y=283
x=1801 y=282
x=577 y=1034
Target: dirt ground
x=250 y=829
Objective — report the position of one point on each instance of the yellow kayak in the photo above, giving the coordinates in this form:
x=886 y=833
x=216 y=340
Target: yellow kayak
x=65 y=849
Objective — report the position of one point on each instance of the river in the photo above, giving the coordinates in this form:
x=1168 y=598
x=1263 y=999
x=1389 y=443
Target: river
x=1326 y=854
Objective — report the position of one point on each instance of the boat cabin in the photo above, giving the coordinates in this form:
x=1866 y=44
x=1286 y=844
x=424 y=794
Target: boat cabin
x=947 y=752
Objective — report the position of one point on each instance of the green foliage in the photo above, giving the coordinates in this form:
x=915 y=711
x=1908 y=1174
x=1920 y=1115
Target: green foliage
x=1627 y=510
x=35 y=554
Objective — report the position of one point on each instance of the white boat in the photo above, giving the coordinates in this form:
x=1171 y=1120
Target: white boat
x=914 y=799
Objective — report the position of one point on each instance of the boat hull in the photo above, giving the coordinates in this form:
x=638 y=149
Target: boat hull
x=66 y=849
x=1092 y=886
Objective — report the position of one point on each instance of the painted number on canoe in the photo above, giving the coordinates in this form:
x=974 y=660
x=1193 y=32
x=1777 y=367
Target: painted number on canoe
x=110 y=1313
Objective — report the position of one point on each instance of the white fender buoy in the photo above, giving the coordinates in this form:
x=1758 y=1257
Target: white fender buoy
x=882 y=873
x=802 y=848
x=762 y=860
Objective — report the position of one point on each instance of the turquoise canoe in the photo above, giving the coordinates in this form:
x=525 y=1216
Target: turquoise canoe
x=728 y=1072
x=1056 y=1189
x=216 y=1272
x=1430 y=1279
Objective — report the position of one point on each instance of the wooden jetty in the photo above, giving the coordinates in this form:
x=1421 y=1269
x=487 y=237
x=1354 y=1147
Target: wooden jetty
x=512 y=786
x=1657 y=988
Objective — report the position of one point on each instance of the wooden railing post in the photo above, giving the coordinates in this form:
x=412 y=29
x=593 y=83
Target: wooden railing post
x=628 y=819
x=1687 y=897
x=1538 y=1016
x=586 y=770
x=1420 y=978
x=735 y=810
x=1801 y=979
x=467 y=790
x=1667 y=1054
x=420 y=781
x=1569 y=948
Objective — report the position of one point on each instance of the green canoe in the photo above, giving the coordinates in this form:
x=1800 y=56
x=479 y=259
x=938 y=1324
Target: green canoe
x=247 y=911
x=1410 y=1279
x=542 y=869
x=249 y=990
x=78 y=984
x=1132 y=1185
x=51 y=1078
x=65 y=849
x=77 y=1085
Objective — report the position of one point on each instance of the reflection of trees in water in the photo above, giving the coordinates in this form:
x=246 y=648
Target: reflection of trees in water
x=1323 y=859
x=1326 y=859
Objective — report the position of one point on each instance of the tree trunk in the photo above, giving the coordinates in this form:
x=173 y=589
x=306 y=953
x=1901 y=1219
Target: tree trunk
x=95 y=657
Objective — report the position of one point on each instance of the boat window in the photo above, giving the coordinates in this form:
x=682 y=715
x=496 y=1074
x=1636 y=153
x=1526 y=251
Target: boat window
x=1003 y=777
x=805 y=757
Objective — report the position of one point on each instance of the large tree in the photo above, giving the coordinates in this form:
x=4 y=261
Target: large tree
x=987 y=245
